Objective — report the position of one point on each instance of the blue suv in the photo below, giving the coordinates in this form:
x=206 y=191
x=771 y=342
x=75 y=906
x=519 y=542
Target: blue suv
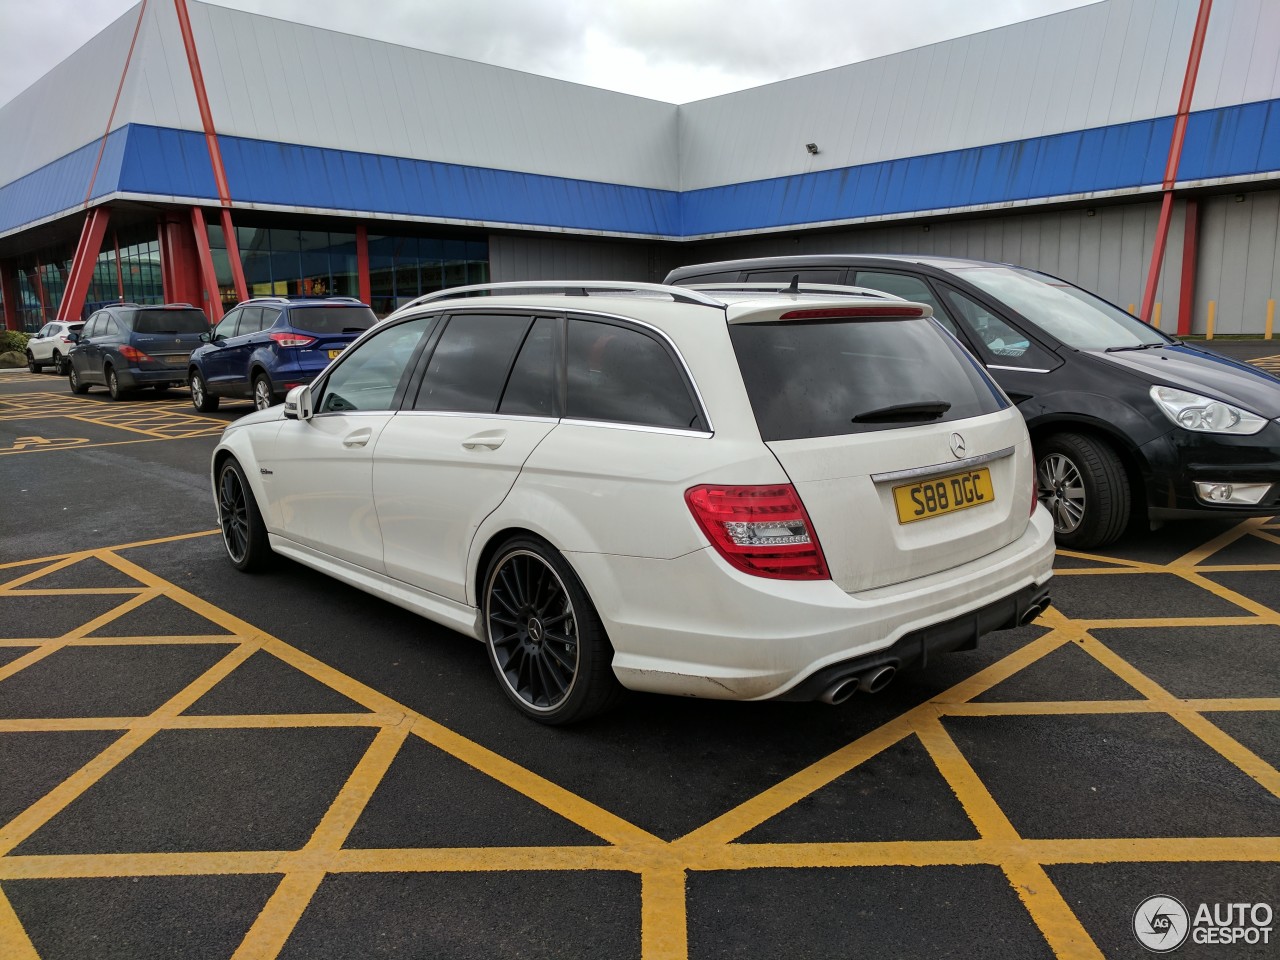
x=266 y=346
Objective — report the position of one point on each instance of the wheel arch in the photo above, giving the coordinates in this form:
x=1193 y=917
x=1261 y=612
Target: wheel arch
x=493 y=542
x=1135 y=465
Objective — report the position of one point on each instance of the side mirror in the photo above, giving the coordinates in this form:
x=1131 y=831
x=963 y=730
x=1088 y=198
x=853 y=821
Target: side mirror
x=206 y=337
x=298 y=404
x=73 y=337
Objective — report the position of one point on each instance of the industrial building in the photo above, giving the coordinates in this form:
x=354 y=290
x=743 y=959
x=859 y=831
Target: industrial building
x=194 y=153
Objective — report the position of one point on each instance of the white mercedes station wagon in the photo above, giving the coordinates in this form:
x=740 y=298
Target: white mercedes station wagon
x=757 y=494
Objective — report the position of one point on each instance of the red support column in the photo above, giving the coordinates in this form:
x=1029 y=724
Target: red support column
x=37 y=281
x=209 y=276
x=1175 y=156
x=233 y=255
x=180 y=261
x=83 y=263
x=1190 y=262
x=362 y=264
x=9 y=293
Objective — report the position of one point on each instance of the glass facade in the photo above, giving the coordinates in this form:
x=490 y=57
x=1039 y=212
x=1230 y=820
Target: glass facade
x=401 y=268
x=289 y=262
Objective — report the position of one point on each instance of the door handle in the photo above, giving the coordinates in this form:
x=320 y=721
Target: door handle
x=493 y=440
x=357 y=439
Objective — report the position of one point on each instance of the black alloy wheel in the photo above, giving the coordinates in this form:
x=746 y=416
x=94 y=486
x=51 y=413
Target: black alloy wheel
x=546 y=643
x=243 y=532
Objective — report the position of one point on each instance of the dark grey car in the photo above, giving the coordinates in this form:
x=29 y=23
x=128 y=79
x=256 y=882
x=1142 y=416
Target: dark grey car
x=127 y=346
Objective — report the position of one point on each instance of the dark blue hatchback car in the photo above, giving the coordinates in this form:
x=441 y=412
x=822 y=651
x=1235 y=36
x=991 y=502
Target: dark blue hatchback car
x=266 y=346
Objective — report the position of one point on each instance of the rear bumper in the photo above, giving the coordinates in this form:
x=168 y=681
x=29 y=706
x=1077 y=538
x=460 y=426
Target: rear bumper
x=131 y=377
x=693 y=626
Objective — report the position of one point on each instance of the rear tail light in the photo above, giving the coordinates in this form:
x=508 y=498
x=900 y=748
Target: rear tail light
x=837 y=313
x=134 y=355
x=66 y=339
x=760 y=530
x=292 y=339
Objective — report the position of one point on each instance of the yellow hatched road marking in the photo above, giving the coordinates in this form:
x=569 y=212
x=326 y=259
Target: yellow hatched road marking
x=661 y=866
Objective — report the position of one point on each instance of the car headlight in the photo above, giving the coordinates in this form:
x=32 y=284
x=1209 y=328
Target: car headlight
x=1203 y=414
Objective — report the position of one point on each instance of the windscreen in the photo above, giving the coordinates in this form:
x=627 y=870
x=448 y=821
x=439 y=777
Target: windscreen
x=831 y=378
x=168 y=321
x=1074 y=316
x=332 y=319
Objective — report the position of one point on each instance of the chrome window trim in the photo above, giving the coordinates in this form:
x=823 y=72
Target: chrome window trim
x=939 y=468
x=471 y=415
x=996 y=366
x=639 y=428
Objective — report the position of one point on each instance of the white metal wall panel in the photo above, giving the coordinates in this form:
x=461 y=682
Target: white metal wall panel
x=1106 y=63
x=159 y=90
x=1239 y=62
x=1239 y=265
x=293 y=83
x=68 y=107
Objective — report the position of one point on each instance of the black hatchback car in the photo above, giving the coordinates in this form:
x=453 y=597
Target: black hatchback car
x=1126 y=422
x=126 y=346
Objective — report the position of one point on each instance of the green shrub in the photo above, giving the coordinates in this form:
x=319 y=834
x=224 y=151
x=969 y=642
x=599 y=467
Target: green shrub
x=13 y=340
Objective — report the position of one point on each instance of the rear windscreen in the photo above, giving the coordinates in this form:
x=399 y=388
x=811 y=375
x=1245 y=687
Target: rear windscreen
x=168 y=321
x=827 y=379
x=331 y=319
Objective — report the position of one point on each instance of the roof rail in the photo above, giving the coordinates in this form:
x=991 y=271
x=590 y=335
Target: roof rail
x=568 y=289
x=777 y=286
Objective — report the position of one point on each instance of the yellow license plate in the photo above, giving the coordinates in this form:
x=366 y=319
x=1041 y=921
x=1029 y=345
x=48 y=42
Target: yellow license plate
x=334 y=353
x=939 y=495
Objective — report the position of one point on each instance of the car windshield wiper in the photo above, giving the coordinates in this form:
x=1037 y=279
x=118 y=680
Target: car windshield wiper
x=1137 y=346
x=925 y=410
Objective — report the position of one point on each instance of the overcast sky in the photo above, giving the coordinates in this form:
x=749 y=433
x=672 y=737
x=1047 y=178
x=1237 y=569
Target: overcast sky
x=673 y=50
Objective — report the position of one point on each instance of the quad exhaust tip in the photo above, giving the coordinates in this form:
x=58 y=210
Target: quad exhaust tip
x=872 y=681
x=1033 y=611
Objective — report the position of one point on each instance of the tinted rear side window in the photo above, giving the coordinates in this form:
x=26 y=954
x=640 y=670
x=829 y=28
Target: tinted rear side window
x=470 y=363
x=813 y=379
x=624 y=376
x=332 y=319
x=531 y=389
x=169 y=321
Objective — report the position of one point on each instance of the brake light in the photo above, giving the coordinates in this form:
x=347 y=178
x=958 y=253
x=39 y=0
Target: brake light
x=836 y=313
x=292 y=339
x=66 y=339
x=761 y=530
x=134 y=355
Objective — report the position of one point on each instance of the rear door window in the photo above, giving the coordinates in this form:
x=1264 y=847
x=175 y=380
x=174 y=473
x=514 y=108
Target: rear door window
x=621 y=375
x=469 y=365
x=831 y=378
x=250 y=321
x=531 y=388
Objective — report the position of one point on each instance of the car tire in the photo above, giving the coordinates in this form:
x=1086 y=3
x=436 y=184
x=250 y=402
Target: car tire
x=263 y=397
x=546 y=644
x=244 y=535
x=32 y=365
x=73 y=379
x=1085 y=488
x=57 y=362
x=201 y=399
x=113 y=383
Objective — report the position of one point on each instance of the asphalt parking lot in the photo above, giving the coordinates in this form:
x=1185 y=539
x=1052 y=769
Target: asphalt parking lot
x=198 y=763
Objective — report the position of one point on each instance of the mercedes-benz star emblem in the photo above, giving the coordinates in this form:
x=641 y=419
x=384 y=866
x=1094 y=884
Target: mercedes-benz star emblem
x=957 y=446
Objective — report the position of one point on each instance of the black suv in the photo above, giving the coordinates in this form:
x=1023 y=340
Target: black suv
x=126 y=346
x=1126 y=421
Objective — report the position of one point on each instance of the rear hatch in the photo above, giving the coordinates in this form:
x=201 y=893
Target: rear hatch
x=908 y=458
x=168 y=334
x=324 y=331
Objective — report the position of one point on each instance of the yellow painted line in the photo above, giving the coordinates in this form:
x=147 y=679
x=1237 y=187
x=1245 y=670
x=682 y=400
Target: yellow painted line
x=1224 y=539
x=1123 y=623
x=175 y=641
x=1072 y=707
x=1268 y=537
x=281 y=914
x=38 y=572
x=973 y=795
x=76 y=592
x=78 y=555
x=26 y=451
x=1062 y=929
x=1104 y=571
x=750 y=814
x=1107 y=561
x=88 y=865
x=53 y=645
x=1260 y=610
x=664 y=923
x=14 y=942
x=265 y=721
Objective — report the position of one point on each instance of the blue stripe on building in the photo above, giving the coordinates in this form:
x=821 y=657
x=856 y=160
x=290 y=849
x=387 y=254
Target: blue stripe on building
x=1225 y=142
